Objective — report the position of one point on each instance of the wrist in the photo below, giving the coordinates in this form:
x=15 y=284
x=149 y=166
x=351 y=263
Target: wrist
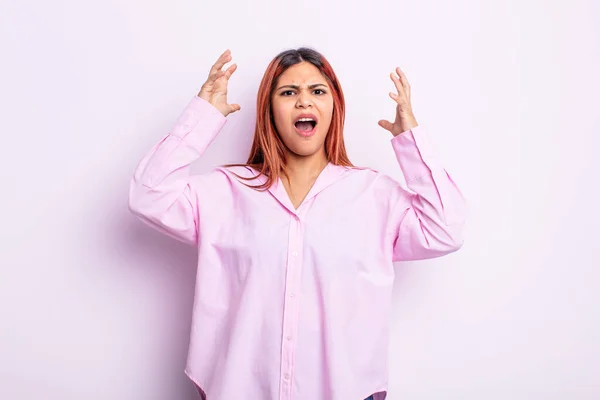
x=407 y=124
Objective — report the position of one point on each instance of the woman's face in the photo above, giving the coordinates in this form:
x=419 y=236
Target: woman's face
x=302 y=92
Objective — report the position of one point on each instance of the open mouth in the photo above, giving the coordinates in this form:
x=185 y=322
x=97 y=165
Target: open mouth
x=305 y=126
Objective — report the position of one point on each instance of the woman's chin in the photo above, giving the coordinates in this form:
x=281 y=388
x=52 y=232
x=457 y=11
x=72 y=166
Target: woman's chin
x=304 y=146
x=305 y=149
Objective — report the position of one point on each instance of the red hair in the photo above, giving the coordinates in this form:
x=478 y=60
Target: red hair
x=267 y=154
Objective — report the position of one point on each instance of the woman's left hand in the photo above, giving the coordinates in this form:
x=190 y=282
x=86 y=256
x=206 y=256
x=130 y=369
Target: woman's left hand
x=405 y=119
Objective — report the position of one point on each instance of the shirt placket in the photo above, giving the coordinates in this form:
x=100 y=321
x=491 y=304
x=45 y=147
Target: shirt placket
x=291 y=306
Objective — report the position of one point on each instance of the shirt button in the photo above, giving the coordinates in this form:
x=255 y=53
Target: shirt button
x=292 y=295
x=289 y=338
x=286 y=377
x=295 y=254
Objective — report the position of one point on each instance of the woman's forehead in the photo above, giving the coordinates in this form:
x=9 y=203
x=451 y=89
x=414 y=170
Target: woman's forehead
x=302 y=74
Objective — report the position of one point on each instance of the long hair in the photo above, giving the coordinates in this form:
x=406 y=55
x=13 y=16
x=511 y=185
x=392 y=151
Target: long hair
x=267 y=154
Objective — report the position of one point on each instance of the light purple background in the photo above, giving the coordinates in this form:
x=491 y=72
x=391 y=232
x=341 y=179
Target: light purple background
x=94 y=305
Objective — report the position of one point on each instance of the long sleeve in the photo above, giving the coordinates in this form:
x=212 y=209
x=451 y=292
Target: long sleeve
x=163 y=193
x=428 y=219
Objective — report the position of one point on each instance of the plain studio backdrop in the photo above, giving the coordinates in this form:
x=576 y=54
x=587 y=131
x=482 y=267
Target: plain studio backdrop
x=95 y=305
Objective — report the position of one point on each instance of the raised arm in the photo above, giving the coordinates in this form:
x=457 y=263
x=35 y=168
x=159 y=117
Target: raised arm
x=428 y=217
x=163 y=193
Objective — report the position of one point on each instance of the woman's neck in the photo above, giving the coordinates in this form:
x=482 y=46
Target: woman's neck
x=305 y=168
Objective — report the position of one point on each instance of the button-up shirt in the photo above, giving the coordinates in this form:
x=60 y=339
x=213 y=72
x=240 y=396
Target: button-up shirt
x=293 y=304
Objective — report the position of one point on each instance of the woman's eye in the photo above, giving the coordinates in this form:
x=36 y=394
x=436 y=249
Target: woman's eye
x=291 y=92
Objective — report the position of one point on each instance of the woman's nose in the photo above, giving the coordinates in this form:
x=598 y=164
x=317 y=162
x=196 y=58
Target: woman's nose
x=304 y=100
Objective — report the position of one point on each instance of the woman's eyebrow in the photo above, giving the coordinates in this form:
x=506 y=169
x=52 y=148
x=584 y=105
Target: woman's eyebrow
x=298 y=87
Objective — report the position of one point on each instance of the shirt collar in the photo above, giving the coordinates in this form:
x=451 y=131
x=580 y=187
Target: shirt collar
x=328 y=176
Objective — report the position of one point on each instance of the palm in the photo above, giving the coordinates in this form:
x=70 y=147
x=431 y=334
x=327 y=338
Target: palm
x=397 y=122
x=219 y=91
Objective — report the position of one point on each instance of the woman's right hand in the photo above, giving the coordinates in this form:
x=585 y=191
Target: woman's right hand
x=214 y=90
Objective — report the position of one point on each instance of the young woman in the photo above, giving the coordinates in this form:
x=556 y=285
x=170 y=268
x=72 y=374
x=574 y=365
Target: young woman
x=296 y=246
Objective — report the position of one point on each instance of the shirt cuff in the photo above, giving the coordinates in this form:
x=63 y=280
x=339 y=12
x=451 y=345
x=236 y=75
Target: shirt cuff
x=199 y=124
x=415 y=153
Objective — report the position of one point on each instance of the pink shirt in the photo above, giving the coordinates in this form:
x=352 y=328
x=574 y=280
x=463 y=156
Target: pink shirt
x=294 y=303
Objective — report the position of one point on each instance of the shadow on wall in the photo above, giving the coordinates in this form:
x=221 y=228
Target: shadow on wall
x=172 y=265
